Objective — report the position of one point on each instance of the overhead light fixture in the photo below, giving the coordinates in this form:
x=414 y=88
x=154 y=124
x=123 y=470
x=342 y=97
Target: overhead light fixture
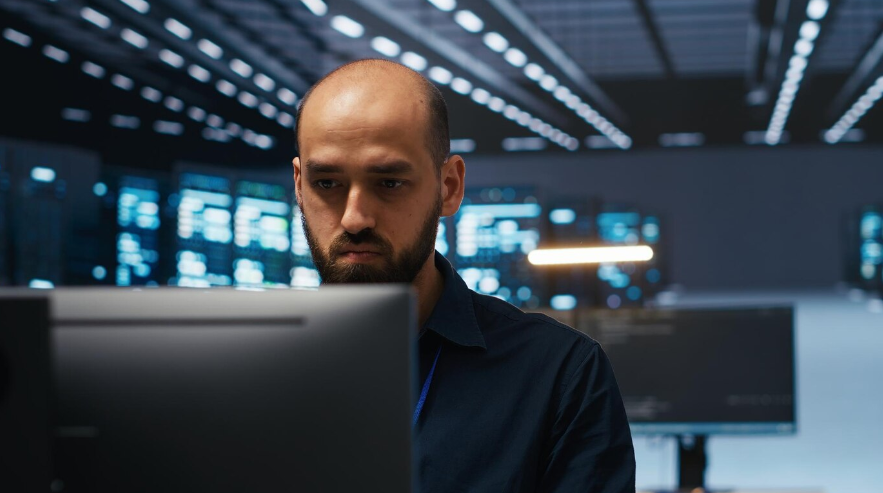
x=247 y=99
x=93 y=69
x=133 y=38
x=516 y=144
x=495 y=41
x=480 y=96
x=168 y=128
x=347 y=26
x=590 y=255
x=285 y=119
x=268 y=110
x=151 y=94
x=210 y=49
x=515 y=57
x=214 y=120
x=243 y=69
x=76 y=115
x=444 y=5
x=43 y=174
x=196 y=113
x=534 y=71
x=816 y=9
x=199 y=73
x=809 y=30
x=17 y=37
x=561 y=93
x=511 y=111
x=682 y=139
x=462 y=145
x=414 y=61
x=469 y=21
x=171 y=58
x=496 y=104
x=122 y=82
x=548 y=82
x=317 y=7
x=140 y=6
x=226 y=88
x=175 y=27
x=386 y=46
x=461 y=85
x=124 y=121
x=56 y=54
x=441 y=75
x=95 y=17
x=174 y=104
x=797 y=64
x=855 y=113
x=286 y=96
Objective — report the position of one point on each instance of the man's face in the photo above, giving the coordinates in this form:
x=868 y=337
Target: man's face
x=369 y=192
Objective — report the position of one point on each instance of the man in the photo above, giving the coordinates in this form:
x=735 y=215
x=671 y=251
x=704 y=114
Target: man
x=512 y=402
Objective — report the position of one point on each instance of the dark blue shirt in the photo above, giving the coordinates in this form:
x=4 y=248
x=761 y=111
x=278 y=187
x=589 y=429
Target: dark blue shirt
x=518 y=402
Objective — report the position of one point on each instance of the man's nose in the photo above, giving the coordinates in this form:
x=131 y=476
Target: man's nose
x=359 y=212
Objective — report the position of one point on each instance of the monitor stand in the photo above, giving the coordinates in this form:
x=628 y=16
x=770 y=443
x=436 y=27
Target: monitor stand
x=691 y=462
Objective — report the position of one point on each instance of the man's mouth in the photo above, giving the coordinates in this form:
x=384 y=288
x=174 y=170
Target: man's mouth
x=360 y=254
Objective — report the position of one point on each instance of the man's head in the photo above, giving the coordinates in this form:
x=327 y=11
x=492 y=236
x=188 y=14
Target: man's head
x=373 y=176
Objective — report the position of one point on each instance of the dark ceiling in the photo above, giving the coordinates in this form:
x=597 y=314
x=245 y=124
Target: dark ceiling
x=611 y=75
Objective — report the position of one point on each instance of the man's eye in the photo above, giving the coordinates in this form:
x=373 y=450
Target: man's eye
x=325 y=184
x=391 y=184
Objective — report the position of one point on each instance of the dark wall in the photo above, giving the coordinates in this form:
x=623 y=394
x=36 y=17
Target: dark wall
x=741 y=217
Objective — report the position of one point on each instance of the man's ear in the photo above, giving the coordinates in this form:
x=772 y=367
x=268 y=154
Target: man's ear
x=297 y=178
x=453 y=174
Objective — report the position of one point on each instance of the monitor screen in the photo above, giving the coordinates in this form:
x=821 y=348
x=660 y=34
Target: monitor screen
x=701 y=371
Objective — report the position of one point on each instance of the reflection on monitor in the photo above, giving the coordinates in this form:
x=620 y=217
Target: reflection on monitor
x=205 y=231
x=137 y=240
x=495 y=230
x=701 y=371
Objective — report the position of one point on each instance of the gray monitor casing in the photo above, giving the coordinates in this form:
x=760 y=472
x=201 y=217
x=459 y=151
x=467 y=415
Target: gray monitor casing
x=224 y=390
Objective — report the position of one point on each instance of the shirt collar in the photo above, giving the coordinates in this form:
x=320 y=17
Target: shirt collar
x=453 y=316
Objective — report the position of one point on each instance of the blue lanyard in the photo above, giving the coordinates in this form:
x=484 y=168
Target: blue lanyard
x=425 y=391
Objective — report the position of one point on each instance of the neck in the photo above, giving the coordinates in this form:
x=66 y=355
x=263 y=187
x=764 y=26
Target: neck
x=429 y=285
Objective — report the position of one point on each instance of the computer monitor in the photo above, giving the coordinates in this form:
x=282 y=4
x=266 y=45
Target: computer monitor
x=178 y=390
x=701 y=371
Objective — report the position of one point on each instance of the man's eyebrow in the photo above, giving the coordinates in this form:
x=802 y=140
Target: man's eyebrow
x=314 y=167
x=391 y=168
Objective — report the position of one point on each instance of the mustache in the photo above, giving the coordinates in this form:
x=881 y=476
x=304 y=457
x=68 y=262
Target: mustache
x=366 y=237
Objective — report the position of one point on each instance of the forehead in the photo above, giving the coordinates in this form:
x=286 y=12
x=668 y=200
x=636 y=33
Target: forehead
x=367 y=119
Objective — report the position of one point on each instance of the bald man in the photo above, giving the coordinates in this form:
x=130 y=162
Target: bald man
x=511 y=402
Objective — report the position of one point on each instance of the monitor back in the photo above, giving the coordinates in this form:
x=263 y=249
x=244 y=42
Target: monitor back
x=175 y=390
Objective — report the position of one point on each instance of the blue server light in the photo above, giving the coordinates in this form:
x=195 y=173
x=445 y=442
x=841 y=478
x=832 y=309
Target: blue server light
x=137 y=240
x=205 y=231
x=495 y=230
x=303 y=271
x=262 y=237
x=871 y=249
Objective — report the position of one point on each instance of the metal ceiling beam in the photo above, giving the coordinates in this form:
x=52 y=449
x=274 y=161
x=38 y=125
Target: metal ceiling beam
x=461 y=58
x=656 y=36
x=527 y=28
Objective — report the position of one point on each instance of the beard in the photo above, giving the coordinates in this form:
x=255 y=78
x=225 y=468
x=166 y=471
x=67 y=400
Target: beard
x=401 y=267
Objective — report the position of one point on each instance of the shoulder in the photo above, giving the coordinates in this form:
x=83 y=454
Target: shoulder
x=496 y=315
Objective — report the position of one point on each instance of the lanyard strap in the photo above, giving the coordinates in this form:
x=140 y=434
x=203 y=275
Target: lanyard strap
x=425 y=391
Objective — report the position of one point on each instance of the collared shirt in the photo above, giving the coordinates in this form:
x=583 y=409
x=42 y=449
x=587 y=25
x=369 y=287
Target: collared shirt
x=518 y=402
